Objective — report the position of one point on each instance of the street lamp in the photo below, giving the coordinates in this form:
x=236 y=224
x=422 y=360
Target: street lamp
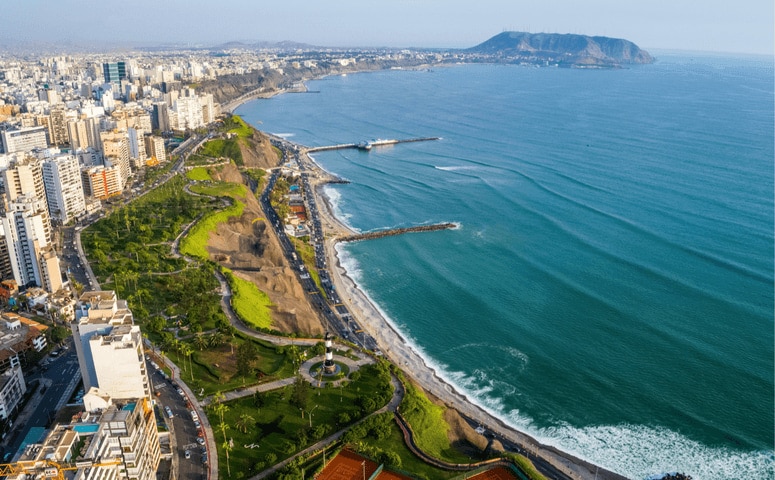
x=309 y=414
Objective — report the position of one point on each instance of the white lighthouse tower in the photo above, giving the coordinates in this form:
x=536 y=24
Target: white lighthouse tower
x=328 y=365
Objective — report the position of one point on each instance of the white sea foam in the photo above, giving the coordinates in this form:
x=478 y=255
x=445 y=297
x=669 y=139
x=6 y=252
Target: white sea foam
x=284 y=135
x=635 y=451
x=455 y=168
x=641 y=452
x=335 y=199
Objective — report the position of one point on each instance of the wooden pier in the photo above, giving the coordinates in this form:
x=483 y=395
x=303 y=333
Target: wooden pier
x=368 y=145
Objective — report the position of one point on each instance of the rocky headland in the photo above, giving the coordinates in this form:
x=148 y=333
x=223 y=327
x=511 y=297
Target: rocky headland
x=555 y=49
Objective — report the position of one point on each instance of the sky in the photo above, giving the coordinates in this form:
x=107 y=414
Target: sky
x=742 y=26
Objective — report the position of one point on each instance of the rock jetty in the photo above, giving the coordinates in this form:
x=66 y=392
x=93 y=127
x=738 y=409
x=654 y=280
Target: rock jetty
x=396 y=231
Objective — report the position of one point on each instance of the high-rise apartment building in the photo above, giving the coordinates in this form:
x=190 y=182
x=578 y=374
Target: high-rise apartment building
x=189 y=112
x=64 y=190
x=208 y=108
x=160 y=117
x=154 y=148
x=114 y=72
x=24 y=140
x=32 y=259
x=111 y=440
x=12 y=388
x=58 y=119
x=77 y=134
x=102 y=182
x=136 y=147
x=109 y=346
x=25 y=178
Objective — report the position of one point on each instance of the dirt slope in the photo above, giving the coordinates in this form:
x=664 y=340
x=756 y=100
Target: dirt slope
x=257 y=152
x=247 y=246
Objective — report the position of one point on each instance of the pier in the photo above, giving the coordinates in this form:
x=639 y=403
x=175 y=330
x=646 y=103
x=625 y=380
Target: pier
x=396 y=231
x=366 y=146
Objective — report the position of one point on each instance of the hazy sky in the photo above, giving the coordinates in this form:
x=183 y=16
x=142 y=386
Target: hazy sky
x=712 y=25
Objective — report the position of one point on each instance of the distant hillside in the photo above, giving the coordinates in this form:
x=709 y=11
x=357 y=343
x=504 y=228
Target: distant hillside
x=561 y=49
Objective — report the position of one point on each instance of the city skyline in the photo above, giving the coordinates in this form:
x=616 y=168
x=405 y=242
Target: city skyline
x=741 y=27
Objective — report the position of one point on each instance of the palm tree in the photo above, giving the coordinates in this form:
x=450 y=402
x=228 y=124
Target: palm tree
x=186 y=350
x=216 y=339
x=201 y=341
x=227 y=447
x=220 y=409
x=245 y=422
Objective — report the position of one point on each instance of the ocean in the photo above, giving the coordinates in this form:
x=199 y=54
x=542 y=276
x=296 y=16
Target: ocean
x=610 y=288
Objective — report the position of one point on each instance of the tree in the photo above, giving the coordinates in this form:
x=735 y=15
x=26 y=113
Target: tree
x=216 y=339
x=246 y=354
x=301 y=392
x=201 y=341
x=227 y=447
x=220 y=409
x=245 y=423
x=186 y=350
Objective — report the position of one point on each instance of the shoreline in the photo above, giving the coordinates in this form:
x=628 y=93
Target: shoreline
x=408 y=357
x=402 y=352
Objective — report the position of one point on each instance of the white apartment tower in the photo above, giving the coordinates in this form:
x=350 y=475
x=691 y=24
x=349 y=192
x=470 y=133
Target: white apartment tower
x=24 y=140
x=109 y=346
x=136 y=147
x=64 y=190
x=25 y=178
x=32 y=258
x=189 y=112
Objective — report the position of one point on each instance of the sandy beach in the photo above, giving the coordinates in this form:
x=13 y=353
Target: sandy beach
x=399 y=351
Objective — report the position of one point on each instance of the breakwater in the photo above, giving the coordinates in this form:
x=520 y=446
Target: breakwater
x=396 y=231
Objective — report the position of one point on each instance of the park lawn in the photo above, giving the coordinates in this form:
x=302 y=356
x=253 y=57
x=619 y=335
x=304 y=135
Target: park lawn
x=409 y=462
x=222 y=189
x=235 y=124
x=250 y=303
x=130 y=244
x=194 y=244
x=215 y=368
x=279 y=429
x=198 y=174
x=428 y=424
x=220 y=147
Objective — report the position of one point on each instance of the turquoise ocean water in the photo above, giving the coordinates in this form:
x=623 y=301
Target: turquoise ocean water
x=610 y=290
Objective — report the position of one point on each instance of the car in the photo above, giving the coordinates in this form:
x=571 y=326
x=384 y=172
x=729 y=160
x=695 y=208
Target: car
x=181 y=393
x=204 y=459
x=187 y=454
x=200 y=440
x=197 y=424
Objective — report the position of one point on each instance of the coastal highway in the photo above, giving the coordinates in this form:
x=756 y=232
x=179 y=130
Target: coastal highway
x=336 y=317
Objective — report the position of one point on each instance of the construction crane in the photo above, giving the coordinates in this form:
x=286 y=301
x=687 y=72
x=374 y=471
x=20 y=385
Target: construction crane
x=49 y=469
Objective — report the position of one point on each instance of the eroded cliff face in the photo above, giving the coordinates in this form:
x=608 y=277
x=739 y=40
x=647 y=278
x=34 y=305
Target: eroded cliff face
x=257 y=152
x=248 y=247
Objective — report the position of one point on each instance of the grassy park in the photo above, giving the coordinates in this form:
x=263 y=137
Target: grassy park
x=260 y=430
x=177 y=304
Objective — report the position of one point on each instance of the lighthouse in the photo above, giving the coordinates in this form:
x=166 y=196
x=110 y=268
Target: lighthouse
x=328 y=364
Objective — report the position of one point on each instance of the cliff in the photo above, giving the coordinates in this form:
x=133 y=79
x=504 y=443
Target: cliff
x=561 y=49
